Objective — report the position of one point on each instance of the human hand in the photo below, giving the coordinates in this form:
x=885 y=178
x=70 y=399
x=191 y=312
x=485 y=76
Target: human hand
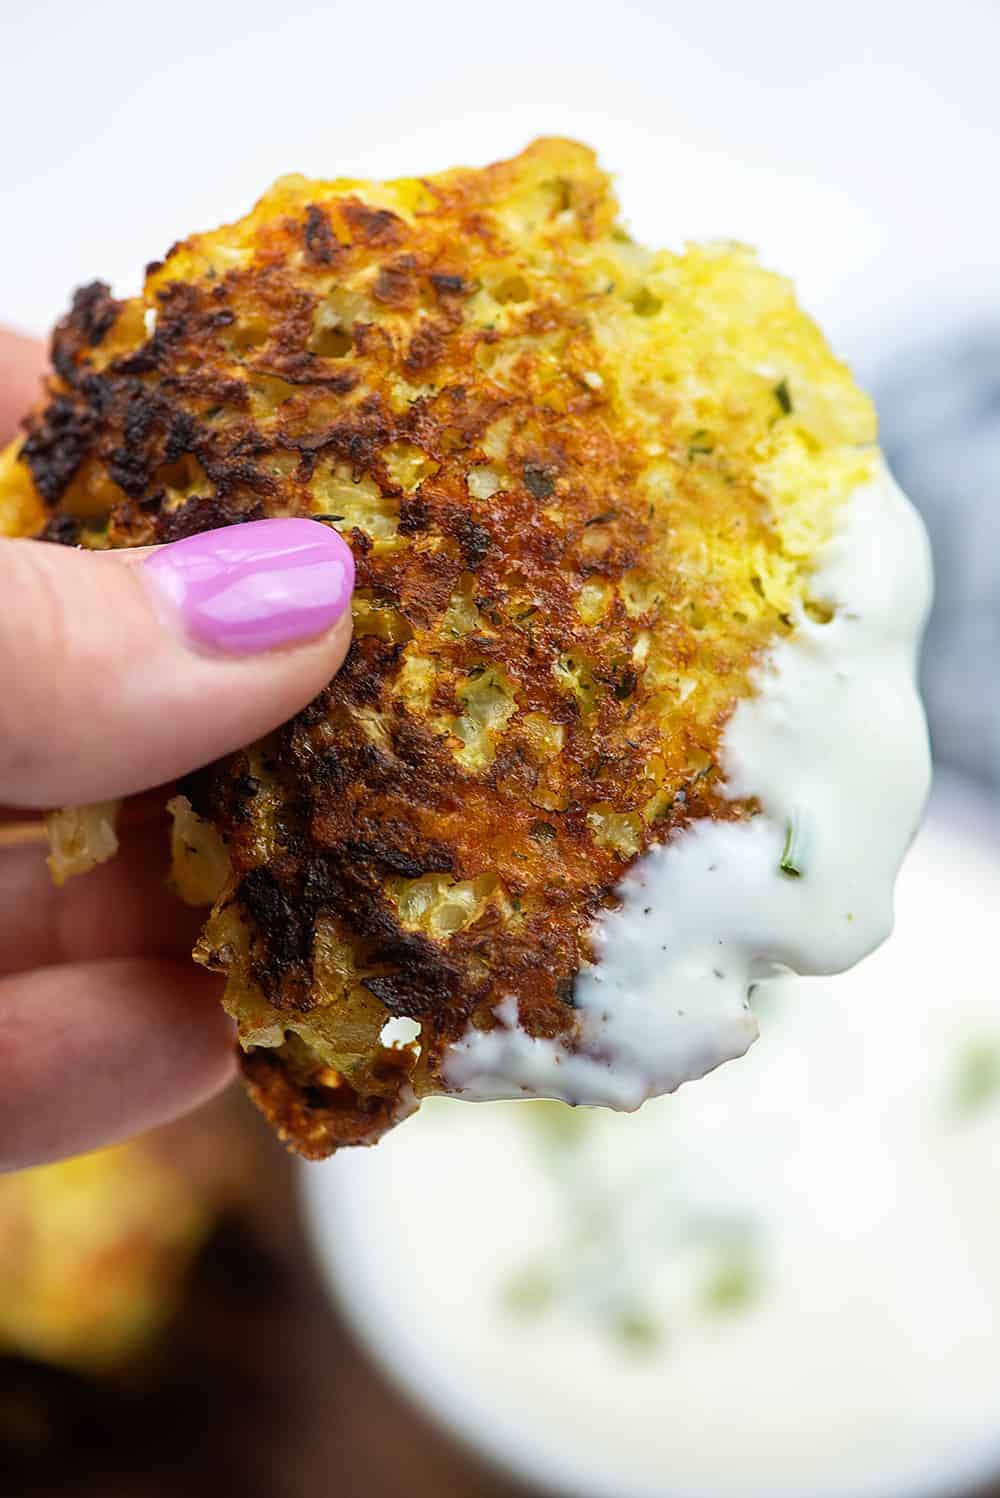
x=120 y=671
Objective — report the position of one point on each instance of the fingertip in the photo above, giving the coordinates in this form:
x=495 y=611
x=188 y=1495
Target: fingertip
x=338 y=642
x=245 y=589
x=132 y=671
x=97 y=1052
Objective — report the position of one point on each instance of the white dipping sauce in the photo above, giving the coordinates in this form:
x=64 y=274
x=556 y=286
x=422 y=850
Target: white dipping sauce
x=847 y=1170
x=834 y=746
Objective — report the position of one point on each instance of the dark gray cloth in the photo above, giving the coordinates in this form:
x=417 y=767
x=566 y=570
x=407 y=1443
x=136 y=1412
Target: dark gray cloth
x=940 y=417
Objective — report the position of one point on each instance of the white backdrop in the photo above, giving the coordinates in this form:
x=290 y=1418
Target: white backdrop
x=856 y=143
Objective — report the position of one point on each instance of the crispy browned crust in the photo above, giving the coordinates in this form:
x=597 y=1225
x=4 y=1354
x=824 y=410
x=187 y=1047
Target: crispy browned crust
x=316 y=1119
x=251 y=398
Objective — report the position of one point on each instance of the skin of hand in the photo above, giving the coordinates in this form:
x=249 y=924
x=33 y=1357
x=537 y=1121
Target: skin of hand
x=120 y=671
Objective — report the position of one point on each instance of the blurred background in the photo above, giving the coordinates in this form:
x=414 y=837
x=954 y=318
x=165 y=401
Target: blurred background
x=858 y=146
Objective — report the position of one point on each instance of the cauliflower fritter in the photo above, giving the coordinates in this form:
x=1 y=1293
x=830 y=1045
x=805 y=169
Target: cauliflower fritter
x=93 y=1252
x=583 y=483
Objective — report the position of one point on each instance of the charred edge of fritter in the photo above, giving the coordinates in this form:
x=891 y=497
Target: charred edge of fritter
x=157 y=430
x=333 y=865
x=283 y=900
x=154 y=429
x=336 y=853
x=315 y=1119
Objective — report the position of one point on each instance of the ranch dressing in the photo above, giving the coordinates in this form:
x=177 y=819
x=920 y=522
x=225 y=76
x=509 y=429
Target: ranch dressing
x=834 y=746
x=783 y=1281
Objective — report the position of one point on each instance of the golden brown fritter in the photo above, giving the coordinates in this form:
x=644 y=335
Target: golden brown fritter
x=583 y=484
x=93 y=1252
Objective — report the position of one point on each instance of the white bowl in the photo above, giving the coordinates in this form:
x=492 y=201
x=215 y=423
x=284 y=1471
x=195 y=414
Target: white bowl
x=868 y=1366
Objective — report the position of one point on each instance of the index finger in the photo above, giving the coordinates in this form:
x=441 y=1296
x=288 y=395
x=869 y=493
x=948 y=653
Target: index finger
x=105 y=691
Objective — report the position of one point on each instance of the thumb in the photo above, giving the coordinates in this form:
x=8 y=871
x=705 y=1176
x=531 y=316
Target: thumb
x=122 y=670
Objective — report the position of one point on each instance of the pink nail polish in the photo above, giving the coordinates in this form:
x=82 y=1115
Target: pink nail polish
x=252 y=587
